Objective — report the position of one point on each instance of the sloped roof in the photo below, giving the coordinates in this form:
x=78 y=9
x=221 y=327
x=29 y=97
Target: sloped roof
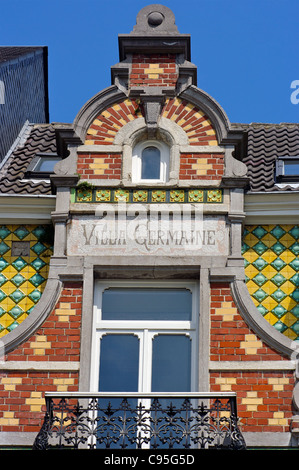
x=41 y=139
x=265 y=143
x=8 y=53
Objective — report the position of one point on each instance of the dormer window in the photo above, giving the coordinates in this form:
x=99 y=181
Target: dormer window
x=150 y=162
x=42 y=166
x=287 y=169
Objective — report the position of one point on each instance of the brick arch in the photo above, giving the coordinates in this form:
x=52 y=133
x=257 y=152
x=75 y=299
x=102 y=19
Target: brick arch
x=104 y=128
x=189 y=117
x=192 y=120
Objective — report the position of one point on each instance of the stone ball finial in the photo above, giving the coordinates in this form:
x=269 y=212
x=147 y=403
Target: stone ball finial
x=154 y=19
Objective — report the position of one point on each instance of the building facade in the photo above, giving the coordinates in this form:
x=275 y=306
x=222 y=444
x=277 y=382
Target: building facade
x=152 y=246
x=23 y=91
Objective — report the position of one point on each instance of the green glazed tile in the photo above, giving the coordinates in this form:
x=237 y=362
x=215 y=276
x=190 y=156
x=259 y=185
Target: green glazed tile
x=38 y=248
x=260 y=279
x=3 y=279
x=4 y=232
x=19 y=264
x=260 y=295
x=280 y=326
x=2 y=295
x=295 y=249
x=260 y=248
x=17 y=296
x=12 y=326
x=278 y=264
x=278 y=295
x=295 y=279
x=277 y=232
x=278 y=248
x=259 y=232
x=263 y=310
x=295 y=264
x=39 y=232
x=21 y=232
x=35 y=296
x=3 y=264
x=295 y=295
x=295 y=232
x=295 y=327
x=260 y=263
x=4 y=248
x=18 y=279
x=278 y=279
x=279 y=311
x=16 y=312
x=36 y=280
x=37 y=264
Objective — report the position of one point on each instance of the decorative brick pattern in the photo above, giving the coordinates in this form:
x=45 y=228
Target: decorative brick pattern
x=264 y=398
x=105 y=127
x=231 y=338
x=203 y=167
x=59 y=337
x=99 y=166
x=153 y=70
x=22 y=397
x=194 y=122
x=22 y=393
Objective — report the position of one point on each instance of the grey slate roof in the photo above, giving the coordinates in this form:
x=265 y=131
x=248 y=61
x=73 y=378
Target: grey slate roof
x=266 y=142
x=41 y=139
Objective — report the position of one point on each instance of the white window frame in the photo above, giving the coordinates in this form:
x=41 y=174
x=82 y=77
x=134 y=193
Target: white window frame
x=137 y=161
x=145 y=330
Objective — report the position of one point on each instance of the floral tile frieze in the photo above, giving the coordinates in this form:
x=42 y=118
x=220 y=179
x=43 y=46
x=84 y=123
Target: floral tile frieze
x=153 y=195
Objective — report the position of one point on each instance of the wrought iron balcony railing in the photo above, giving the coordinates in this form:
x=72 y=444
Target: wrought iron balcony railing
x=140 y=421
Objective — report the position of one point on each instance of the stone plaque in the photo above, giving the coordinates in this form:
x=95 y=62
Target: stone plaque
x=164 y=234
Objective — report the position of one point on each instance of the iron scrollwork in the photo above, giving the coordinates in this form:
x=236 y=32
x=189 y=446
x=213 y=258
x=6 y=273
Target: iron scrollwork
x=141 y=421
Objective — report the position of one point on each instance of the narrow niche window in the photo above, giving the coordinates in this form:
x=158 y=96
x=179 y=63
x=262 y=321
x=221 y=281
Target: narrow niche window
x=150 y=162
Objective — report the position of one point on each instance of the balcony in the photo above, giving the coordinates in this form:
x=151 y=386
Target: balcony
x=140 y=421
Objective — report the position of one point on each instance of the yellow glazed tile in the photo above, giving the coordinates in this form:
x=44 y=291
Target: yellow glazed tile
x=287 y=240
x=289 y=319
x=269 y=303
x=287 y=256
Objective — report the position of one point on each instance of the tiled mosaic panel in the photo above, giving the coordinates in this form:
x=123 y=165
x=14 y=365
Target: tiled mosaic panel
x=22 y=278
x=99 y=195
x=272 y=274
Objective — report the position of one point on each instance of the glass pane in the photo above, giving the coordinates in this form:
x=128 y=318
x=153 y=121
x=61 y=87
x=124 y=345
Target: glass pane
x=150 y=163
x=171 y=366
x=291 y=168
x=46 y=164
x=147 y=304
x=119 y=363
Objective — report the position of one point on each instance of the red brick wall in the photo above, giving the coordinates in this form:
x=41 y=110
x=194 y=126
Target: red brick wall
x=153 y=70
x=264 y=397
x=99 y=166
x=22 y=404
x=201 y=166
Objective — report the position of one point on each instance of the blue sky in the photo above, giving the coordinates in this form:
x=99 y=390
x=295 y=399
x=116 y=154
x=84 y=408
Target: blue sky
x=246 y=51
